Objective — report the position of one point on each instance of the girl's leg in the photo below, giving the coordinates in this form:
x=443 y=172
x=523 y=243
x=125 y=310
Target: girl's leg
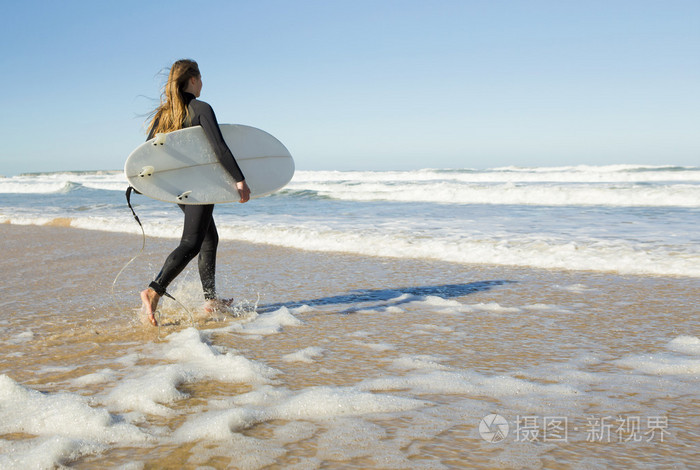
x=198 y=218
x=207 y=262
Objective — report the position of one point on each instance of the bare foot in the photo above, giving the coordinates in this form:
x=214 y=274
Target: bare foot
x=217 y=305
x=150 y=299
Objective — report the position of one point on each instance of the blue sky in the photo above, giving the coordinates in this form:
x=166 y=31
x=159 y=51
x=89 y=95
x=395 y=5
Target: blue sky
x=354 y=85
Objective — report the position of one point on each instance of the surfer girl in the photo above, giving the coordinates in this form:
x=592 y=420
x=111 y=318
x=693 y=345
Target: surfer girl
x=180 y=108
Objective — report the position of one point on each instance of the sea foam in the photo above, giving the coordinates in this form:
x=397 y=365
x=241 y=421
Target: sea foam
x=149 y=389
x=314 y=403
x=61 y=414
x=266 y=323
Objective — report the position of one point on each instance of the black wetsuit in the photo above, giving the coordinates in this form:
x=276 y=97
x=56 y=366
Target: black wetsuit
x=199 y=235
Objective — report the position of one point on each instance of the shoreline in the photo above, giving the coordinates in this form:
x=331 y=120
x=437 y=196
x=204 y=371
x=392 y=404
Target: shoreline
x=59 y=267
x=339 y=343
x=66 y=223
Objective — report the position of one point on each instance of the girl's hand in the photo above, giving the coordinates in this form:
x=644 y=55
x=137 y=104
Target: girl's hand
x=243 y=190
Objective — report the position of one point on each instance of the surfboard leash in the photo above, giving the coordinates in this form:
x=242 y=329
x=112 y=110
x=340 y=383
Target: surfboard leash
x=143 y=245
x=128 y=202
x=143 y=239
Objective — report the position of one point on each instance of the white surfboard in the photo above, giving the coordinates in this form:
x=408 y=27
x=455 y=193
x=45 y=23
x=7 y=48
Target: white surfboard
x=181 y=166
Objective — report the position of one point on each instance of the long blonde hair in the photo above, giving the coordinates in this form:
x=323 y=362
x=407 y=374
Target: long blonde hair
x=172 y=113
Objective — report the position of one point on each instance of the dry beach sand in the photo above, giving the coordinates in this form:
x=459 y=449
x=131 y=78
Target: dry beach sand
x=346 y=362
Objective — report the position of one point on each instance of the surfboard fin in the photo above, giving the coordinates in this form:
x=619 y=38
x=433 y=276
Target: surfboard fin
x=160 y=139
x=147 y=171
x=184 y=195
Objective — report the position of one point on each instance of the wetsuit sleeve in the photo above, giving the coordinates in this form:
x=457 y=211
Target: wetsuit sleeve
x=208 y=121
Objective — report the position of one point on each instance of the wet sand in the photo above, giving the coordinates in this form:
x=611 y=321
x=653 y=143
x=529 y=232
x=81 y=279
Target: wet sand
x=468 y=341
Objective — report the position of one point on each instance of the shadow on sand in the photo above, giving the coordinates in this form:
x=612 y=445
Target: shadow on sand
x=398 y=295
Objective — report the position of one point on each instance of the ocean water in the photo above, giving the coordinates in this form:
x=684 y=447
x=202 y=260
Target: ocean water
x=619 y=218
x=502 y=318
